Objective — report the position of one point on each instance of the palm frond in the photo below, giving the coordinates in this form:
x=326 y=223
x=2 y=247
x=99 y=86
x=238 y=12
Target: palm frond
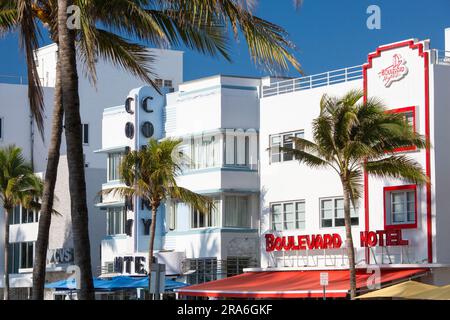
x=397 y=166
x=29 y=35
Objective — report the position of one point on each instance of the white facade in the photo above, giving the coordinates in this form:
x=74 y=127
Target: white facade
x=217 y=119
x=17 y=128
x=409 y=78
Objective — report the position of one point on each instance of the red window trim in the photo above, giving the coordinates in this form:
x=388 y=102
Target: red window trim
x=405 y=110
x=389 y=226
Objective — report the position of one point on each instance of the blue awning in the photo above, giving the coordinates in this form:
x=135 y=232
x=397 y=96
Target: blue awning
x=114 y=283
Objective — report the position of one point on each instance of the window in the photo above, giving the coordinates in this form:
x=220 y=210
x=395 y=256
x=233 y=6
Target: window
x=21 y=215
x=21 y=256
x=116 y=221
x=159 y=82
x=237 y=148
x=282 y=140
x=400 y=206
x=204 y=152
x=114 y=161
x=332 y=213
x=288 y=216
x=29 y=216
x=210 y=219
x=237 y=211
x=85 y=133
x=26 y=255
x=1 y=128
x=172 y=216
x=409 y=114
x=168 y=83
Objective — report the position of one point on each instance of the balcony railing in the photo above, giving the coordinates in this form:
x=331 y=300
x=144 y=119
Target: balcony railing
x=441 y=57
x=4 y=78
x=314 y=81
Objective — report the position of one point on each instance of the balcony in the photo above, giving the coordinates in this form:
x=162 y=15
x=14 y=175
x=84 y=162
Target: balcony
x=313 y=81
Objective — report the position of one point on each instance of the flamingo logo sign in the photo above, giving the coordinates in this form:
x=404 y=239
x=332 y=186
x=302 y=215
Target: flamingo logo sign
x=395 y=72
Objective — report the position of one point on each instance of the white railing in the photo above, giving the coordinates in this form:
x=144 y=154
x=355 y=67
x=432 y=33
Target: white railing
x=313 y=81
x=12 y=79
x=441 y=57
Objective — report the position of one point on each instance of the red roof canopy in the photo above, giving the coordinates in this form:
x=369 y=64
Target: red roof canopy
x=291 y=284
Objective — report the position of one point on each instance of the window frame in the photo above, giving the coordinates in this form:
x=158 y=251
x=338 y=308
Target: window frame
x=283 y=222
x=83 y=135
x=405 y=110
x=388 y=224
x=116 y=166
x=123 y=212
x=2 y=127
x=282 y=136
x=208 y=219
x=333 y=218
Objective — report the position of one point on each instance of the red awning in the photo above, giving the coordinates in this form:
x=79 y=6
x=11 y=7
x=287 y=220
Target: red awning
x=291 y=284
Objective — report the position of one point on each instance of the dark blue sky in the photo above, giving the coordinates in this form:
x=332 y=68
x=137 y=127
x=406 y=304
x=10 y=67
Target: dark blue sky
x=328 y=35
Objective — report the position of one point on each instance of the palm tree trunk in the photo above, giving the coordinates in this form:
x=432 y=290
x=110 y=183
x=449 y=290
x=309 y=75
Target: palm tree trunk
x=349 y=240
x=151 y=244
x=51 y=173
x=75 y=159
x=6 y=253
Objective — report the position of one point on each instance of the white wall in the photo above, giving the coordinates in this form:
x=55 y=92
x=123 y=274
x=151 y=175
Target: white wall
x=287 y=181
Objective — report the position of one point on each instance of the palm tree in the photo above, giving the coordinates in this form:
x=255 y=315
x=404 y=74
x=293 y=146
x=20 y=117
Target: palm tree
x=192 y=22
x=351 y=137
x=198 y=25
x=18 y=186
x=150 y=174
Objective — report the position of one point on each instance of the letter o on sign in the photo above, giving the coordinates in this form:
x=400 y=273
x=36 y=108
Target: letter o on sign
x=147 y=129
x=129 y=130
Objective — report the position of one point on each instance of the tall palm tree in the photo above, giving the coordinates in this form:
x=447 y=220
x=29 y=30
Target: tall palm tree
x=192 y=22
x=198 y=25
x=351 y=137
x=18 y=186
x=150 y=174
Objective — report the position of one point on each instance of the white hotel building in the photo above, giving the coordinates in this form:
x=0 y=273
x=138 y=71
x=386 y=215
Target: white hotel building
x=17 y=127
x=399 y=229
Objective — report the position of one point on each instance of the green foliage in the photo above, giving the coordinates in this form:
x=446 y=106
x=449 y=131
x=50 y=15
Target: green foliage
x=351 y=136
x=18 y=184
x=151 y=174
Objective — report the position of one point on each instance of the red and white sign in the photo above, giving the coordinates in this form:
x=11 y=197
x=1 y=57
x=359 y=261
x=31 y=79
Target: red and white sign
x=394 y=72
x=380 y=238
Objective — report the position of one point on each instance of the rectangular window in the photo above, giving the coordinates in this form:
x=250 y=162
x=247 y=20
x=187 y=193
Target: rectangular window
x=210 y=219
x=116 y=221
x=172 y=216
x=114 y=161
x=85 y=132
x=159 y=82
x=29 y=216
x=168 y=83
x=409 y=114
x=21 y=215
x=237 y=211
x=400 y=206
x=288 y=215
x=332 y=213
x=283 y=140
x=1 y=128
x=14 y=257
x=21 y=256
x=26 y=255
x=204 y=152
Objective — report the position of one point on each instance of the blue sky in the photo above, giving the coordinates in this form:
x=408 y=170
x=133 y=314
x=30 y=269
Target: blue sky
x=328 y=35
